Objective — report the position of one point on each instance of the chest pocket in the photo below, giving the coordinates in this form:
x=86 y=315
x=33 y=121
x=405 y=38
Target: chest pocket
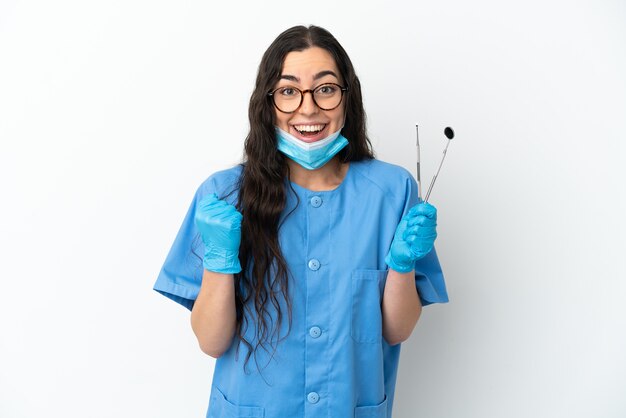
x=222 y=408
x=367 y=290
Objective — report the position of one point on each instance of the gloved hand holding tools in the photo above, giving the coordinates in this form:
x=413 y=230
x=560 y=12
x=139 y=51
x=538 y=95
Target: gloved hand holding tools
x=414 y=237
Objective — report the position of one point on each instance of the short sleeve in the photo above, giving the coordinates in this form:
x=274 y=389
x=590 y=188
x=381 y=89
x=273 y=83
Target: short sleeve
x=181 y=275
x=429 y=279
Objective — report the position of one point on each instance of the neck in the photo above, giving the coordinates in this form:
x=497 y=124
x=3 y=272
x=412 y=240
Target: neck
x=327 y=177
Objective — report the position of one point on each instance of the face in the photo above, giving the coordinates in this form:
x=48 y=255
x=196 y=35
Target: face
x=308 y=69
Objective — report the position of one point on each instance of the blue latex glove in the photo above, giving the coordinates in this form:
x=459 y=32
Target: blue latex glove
x=219 y=224
x=414 y=237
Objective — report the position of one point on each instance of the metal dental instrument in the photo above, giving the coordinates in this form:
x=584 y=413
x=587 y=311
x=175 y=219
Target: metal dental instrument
x=449 y=133
x=419 y=183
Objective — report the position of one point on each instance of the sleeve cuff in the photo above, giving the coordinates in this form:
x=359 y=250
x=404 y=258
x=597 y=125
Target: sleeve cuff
x=183 y=295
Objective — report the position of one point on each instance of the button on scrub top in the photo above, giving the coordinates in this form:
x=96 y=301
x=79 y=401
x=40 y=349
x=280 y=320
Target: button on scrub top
x=335 y=362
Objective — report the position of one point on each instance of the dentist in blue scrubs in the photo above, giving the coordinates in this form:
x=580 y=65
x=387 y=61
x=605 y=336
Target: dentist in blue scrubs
x=306 y=265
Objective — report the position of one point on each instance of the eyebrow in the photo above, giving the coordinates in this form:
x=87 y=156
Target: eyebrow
x=315 y=77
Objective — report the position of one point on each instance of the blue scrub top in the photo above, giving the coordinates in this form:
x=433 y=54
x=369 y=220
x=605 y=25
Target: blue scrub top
x=334 y=363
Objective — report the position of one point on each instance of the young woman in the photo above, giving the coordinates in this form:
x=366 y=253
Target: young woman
x=312 y=253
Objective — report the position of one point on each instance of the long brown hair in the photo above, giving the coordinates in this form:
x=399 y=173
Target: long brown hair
x=262 y=193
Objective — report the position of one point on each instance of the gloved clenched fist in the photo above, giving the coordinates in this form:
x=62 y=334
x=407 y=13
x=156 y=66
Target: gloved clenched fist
x=219 y=224
x=414 y=238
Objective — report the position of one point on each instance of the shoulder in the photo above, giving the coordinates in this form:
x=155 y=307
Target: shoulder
x=390 y=178
x=224 y=183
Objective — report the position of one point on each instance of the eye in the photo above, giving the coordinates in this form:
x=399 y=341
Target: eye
x=326 y=89
x=287 y=91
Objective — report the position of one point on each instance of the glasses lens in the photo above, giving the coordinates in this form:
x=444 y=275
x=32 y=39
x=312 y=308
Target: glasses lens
x=287 y=99
x=327 y=96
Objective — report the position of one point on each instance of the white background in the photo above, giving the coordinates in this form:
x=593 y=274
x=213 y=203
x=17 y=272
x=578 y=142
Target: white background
x=113 y=112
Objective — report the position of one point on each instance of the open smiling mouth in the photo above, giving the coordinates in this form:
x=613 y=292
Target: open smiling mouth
x=309 y=130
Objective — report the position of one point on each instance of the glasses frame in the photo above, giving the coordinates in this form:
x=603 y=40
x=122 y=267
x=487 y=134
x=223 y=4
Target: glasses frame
x=302 y=92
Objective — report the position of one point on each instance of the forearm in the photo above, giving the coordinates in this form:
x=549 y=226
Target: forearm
x=401 y=307
x=214 y=317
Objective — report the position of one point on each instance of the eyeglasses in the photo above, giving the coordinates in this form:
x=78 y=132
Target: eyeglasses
x=326 y=96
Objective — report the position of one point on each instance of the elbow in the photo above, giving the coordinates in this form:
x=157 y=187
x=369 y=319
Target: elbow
x=396 y=339
x=399 y=337
x=211 y=346
x=214 y=347
x=214 y=355
x=393 y=342
x=210 y=343
x=403 y=333
x=211 y=351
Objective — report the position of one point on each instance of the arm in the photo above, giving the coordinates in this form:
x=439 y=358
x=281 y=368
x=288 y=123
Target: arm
x=213 y=317
x=414 y=239
x=401 y=307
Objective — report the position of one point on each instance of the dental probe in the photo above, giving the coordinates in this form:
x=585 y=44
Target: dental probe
x=419 y=183
x=449 y=133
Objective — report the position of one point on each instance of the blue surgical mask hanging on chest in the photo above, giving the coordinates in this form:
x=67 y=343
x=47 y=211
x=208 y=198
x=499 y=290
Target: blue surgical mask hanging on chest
x=313 y=155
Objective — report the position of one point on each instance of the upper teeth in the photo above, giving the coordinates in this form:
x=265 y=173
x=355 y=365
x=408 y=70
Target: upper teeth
x=309 y=128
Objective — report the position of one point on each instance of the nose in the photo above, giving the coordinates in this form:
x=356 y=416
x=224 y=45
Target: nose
x=308 y=106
